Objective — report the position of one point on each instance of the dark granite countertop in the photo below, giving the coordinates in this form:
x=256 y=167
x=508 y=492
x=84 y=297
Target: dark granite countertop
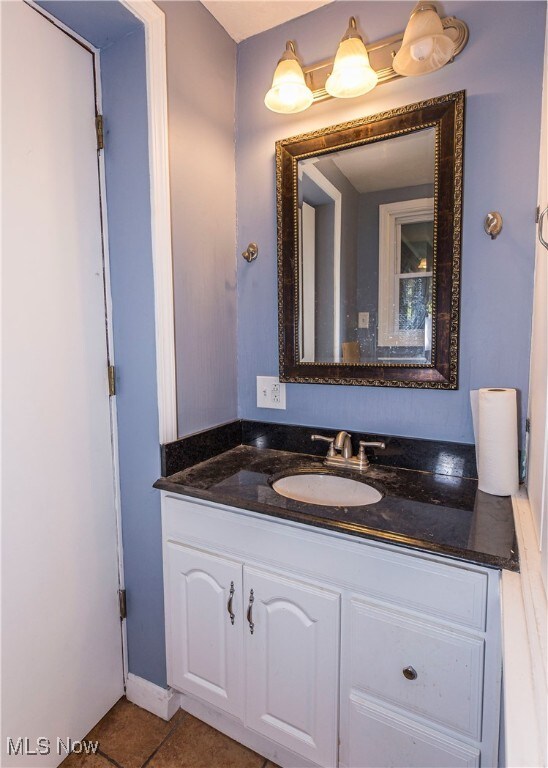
x=439 y=513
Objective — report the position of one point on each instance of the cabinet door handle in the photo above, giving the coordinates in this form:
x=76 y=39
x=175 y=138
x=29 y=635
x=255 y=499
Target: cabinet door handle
x=229 y=604
x=250 y=612
x=409 y=673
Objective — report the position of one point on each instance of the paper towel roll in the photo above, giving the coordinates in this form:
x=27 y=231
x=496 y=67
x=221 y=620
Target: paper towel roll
x=495 y=419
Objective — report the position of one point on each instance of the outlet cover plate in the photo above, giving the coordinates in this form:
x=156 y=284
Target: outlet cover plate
x=270 y=392
x=363 y=319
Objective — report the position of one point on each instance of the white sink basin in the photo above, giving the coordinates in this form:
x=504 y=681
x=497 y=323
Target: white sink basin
x=329 y=490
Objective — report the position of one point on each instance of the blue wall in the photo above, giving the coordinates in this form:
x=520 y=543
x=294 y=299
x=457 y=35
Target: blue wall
x=115 y=30
x=501 y=71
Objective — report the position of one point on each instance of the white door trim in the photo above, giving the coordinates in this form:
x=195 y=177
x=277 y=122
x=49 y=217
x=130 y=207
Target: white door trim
x=153 y=20
x=336 y=195
x=391 y=216
x=307 y=262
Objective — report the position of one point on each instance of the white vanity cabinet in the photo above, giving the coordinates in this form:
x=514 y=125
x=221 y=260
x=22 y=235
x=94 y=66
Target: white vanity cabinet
x=315 y=648
x=259 y=646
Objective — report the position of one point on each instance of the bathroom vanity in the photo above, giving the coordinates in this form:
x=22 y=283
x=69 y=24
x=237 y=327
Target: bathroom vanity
x=332 y=636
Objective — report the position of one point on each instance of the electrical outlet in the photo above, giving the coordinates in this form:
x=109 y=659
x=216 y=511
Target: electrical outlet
x=270 y=392
x=363 y=319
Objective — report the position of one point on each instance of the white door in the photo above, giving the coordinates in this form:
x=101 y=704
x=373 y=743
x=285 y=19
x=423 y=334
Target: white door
x=61 y=639
x=204 y=626
x=292 y=650
x=537 y=469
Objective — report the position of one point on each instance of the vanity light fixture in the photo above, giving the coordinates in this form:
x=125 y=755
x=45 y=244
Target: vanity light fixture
x=425 y=47
x=428 y=43
x=289 y=92
x=352 y=73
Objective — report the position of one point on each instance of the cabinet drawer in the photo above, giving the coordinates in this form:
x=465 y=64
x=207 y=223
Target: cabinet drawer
x=448 y=665
x=378 y=737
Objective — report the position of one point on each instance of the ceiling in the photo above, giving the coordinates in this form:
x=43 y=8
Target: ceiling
x=403 y=161
x=245 y=18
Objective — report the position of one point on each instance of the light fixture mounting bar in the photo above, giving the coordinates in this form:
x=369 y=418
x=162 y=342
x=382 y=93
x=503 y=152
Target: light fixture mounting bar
x=381 y=54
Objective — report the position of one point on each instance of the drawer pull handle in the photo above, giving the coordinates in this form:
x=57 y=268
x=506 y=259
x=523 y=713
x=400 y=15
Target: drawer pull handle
x=229 y=604
x=409 y=673
x=250 y=612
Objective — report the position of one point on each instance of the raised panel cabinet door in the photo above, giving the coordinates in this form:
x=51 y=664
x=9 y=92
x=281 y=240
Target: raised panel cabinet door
x=292 y=663
x=204 y=626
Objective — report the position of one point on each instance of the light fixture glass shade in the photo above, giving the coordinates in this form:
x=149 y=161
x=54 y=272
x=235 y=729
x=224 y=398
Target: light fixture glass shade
x=289 y=92
x=425 y=46
x=352 y=73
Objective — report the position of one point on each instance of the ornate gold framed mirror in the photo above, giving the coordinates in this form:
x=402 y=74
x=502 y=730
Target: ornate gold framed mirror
x=369 y=244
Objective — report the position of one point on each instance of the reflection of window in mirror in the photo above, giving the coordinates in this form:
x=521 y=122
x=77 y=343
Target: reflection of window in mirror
x=406 y=248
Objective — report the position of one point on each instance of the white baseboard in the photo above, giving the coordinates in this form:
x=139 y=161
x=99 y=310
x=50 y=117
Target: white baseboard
x=163 y=702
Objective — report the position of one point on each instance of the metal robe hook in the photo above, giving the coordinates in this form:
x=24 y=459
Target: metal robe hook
x=493 y=224
x=251 y=252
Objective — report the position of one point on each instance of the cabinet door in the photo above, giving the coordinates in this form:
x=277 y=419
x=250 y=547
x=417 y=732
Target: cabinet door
x=292 y=650
x=204 y=642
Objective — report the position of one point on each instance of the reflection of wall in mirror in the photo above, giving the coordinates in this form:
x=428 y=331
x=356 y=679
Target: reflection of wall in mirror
x=368 y=258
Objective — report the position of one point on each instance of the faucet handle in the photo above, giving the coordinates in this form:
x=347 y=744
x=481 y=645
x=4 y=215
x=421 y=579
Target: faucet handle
x=365 y=444
x=330 y=440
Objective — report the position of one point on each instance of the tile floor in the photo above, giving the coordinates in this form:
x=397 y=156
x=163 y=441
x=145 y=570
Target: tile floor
x=131 y=737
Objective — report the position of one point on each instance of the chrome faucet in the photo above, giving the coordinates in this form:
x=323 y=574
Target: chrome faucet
x=342 y=443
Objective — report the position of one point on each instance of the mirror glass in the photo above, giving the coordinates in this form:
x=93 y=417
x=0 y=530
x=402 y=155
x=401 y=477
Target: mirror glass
x=366 y=251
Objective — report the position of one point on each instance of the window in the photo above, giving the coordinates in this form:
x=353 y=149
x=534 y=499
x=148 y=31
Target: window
x=406 y=252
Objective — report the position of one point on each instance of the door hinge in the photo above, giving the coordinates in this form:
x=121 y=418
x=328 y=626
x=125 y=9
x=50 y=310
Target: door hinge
x=111 y=380
x=122 y=602
x=527 y=425
x=99 y=131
